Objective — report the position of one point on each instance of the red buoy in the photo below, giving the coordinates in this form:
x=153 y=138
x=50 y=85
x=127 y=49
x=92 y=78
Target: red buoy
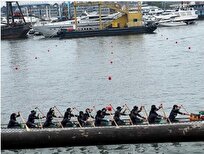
x=109 y=78
x=189 y=48
x=176 y=42
x=16 y=68
x=111 y=62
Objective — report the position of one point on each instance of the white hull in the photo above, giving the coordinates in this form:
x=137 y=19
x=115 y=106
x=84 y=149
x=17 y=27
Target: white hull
x=172 y=24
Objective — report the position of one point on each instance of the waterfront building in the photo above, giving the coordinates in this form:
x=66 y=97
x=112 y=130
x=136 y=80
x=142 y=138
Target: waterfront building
x=199 y=6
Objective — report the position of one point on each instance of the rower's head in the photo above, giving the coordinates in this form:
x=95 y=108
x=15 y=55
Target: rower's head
x=88 y=110
x=99 y=112
x=51 y=110
x=13 y=116
x=153 y=107
x=119 y=108
x=33 y=112
x=69 y=110
x=176 y=107
x=104 y=110
x=135 y=107
x=81 y=113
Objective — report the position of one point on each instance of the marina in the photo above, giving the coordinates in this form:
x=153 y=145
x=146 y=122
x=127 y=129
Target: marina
x=163 y=66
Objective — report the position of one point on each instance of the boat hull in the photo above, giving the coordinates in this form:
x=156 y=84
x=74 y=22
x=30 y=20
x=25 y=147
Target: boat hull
x=107 y=32
x=179 y=132
x=14 y=32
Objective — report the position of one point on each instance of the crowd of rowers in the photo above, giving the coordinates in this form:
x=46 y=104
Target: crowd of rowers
x=87 y=119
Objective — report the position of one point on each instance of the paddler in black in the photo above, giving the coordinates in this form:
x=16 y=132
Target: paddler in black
x=31 y=120
x=13 y=122
x=153 y=116
x=88 y=118
x=87 y=114
x=135 y=116
x=67 y=117
x=117 y=115
x=81 y=118
x=48 y=123
x=104 y=110
x=174 y=112
x=99 y=119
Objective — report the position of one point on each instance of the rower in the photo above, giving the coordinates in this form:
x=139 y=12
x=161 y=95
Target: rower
x=88 y=117
x=81 y=118
x=174 y=112
x=66 y=122
x=48 y=123
x=117 y=115
x=31 y=119
x=13 y=122
x=135 y=116
x=154 y=117
x=99 y=118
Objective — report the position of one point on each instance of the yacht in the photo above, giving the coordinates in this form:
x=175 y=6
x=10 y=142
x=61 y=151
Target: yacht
x=51 y=29
x=177 y=17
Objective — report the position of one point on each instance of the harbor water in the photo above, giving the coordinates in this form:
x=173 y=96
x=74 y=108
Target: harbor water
x=165 y=67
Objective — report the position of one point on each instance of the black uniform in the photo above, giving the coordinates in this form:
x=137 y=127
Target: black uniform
x=31 y=120
x=134 y=115
x=153 y=116
x=174 y=112
x=67 y=117
x=99 y=118
x=81 y=118
x=117 y=117
x=12 y=122
x=87 y=114
x=49 y=118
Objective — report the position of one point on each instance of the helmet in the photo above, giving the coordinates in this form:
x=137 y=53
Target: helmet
x=135 y=107
x=68 y=109
x=153 y=107
x=175 y=106
x=33 y=111
x=119 y=108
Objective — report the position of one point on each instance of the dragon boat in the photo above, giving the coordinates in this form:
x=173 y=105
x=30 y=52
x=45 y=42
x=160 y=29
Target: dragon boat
x=185 y=131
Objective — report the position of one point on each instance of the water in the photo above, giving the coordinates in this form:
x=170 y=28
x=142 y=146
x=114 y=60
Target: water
x=147 y=69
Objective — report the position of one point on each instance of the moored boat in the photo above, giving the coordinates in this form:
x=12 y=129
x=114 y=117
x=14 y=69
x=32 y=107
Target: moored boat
x=67 y=33
x=12 y=29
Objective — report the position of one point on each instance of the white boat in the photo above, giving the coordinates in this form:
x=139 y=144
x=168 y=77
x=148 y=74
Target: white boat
x=172 y=24
x=51 y=29
x=178 y=17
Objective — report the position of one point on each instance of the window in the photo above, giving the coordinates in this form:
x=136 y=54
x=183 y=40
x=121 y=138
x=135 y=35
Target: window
x=134 y=20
